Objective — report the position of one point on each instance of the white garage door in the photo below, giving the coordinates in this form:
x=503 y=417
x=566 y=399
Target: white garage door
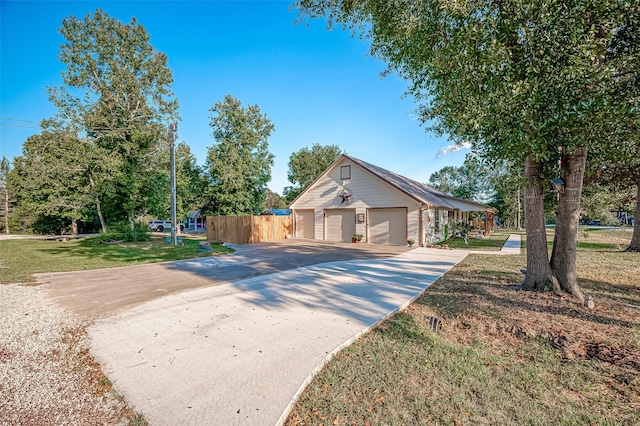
x=305 y=224
x=341 y=224
x=388 y=226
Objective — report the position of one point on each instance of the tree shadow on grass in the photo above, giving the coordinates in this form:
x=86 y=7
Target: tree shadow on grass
x=123 y=254
x=466 y=294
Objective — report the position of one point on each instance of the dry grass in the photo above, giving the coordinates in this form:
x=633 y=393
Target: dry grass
x=503 y=356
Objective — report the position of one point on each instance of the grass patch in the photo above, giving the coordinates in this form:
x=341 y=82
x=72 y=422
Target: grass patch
x=494 y=242
x=22 y=258
x=611 y=239
x=598 y=239
x=503 y=356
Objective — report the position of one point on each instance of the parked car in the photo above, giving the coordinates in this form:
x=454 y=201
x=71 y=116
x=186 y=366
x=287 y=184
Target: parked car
x=161 y=225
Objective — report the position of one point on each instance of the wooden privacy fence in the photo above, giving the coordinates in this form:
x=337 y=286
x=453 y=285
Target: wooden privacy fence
x=248 y=229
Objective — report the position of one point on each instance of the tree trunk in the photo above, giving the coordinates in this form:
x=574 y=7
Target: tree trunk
x=518 y=220
x=565 y=240
x=74 y=227
x=103 y=226
x=635 y=238
x=539 y=276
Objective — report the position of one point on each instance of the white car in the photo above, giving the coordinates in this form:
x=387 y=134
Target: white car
x=161 y=225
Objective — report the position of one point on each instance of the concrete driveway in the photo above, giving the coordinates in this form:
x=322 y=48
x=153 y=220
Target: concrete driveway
x=104 y=292
x=238 y=352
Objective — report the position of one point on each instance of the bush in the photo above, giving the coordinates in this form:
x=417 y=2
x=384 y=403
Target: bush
x=122 y=231
x=463 y=228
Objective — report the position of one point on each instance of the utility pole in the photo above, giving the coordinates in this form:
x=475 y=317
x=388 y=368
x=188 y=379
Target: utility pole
x=172 y=149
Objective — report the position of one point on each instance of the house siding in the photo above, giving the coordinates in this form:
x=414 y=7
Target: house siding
x=433 y=235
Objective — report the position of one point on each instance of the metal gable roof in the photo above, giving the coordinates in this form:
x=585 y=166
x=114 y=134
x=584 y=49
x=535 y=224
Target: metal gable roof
x=421 y=192
x=414 y=189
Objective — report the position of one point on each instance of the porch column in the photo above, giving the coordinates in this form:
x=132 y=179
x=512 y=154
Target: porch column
x=488 y=223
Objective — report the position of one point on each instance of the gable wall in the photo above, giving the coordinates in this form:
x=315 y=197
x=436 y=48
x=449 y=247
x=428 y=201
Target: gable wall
x=368 y=192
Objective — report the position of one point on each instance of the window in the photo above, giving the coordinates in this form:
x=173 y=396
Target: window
x=345 y=172
x=436 y=219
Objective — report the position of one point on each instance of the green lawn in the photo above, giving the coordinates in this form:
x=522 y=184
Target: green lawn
x=19 y=259
x=493 y=242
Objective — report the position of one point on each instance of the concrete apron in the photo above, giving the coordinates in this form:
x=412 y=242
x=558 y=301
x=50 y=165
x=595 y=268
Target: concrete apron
x=240 y=353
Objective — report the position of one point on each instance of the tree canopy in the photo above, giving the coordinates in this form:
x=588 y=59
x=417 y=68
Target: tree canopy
x=239 y=162
x=306 y=165
x=470 y=181
x=513 y=78
x=104 y=143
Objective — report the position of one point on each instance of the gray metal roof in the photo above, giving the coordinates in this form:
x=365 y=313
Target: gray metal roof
x=421 y=192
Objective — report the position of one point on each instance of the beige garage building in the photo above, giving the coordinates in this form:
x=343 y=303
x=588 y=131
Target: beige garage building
x=355 y=197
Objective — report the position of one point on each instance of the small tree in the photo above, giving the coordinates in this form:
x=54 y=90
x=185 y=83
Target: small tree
x=51 y=179
x=239 y=162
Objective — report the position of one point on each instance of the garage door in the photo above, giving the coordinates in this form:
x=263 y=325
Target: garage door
x=388 y=226
x=341 y=224
x=305 y=224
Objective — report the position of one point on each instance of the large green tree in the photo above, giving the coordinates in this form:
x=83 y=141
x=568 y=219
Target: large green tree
x=538 y=83
x=306 y=165
x=50 y=179
x=191 y=182
x=116 y=99
x=497 y=184
x=600 y=201
x=470 y=181
x=239 y=162
x=274 y=201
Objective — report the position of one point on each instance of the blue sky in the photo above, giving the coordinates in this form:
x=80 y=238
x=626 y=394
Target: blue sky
x=316 y=86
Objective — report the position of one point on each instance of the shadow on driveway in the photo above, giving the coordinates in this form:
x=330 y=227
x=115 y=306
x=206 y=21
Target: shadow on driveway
x=239 y=353
x=104 y=292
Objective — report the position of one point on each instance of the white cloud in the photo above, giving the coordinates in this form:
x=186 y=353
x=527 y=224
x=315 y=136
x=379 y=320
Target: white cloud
x=452 y=148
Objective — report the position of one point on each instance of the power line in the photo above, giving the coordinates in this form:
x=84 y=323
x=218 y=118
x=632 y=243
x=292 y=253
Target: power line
x=100 y=129
x=96 y=129
x=16 y=125
x=19 y=119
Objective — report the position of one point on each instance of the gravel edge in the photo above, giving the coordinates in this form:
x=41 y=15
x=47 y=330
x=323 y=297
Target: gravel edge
x=47 y=375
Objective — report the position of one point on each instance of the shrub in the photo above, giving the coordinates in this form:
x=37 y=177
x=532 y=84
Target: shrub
x=463 y=228
x=121 y=231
